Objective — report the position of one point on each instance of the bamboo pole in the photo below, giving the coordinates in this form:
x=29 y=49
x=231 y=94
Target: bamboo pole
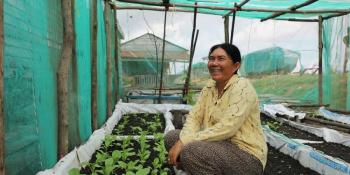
x=162 y=65
x=2 y=117
x=293 y=8
x=171 y=9
x=106 y=14
x=116 y=54
x=240 y=9
x=233 y=26
x=320 y=70
x=335 y=15
x=236 y=7
x=326 y=122
x=94 y=77
x=308 y=105
x=226 y=28
x=62 y=77
x=188 y=77
x=298 y=20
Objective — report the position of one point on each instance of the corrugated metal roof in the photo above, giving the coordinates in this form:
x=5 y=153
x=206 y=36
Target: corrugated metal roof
x=148 y=45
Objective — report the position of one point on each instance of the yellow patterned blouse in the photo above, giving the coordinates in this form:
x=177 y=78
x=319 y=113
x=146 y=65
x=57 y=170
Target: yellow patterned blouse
x=234 y=116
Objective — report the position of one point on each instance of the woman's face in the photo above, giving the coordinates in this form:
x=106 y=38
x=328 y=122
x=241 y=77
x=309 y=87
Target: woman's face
x=221 y=66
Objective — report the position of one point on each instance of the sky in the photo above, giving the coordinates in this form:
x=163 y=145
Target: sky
x=249 y=34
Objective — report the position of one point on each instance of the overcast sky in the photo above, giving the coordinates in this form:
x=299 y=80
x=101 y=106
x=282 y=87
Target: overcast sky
x=250 y=34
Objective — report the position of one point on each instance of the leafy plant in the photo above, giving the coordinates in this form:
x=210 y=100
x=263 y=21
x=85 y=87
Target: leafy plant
x=109 y=139
x=109 y=167
x=143 y=152
x=136 y=129
x=130 y=166
x=273 y=125
x=143 y=171
x=74 y=171
x=190 y=98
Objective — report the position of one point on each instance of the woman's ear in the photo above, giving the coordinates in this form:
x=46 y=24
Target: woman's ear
x=236 y=66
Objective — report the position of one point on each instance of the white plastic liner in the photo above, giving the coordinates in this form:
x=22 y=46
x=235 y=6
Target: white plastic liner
x=329 y=135
x=306 y=155
x=84 y=152
x=334 y=116
x=273 y=109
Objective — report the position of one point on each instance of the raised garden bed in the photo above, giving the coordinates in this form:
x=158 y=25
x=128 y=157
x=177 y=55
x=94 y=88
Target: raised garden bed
x=331 y=149
x=138 y=123
x=130 y=150
x=279 y=163
x=312 y=117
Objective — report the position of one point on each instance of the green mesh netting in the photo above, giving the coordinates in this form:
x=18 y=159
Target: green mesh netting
x=31 y=56
x=33 y=36
x=269 y=61
x=335 y=62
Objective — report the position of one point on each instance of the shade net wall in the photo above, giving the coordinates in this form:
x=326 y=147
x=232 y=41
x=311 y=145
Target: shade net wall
x=33 y=41
x=335 y=62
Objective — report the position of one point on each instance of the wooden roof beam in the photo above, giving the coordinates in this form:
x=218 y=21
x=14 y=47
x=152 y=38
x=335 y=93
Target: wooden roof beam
x=293 y=8
x=232 y=8
x=299 y=20
x=236 y=7
x=335 y=15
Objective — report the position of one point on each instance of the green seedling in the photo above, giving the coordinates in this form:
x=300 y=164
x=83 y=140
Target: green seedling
x=143 y=152
x=109 y=139
x=273 y=125
x=143 y=171
x=74 y=171
x=136 y=129
x=109 y=166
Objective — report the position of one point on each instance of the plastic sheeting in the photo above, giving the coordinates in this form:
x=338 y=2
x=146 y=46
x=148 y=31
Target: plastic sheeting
x=329 y=135
x=334 y=116
x=273 y=109
x=84 y=152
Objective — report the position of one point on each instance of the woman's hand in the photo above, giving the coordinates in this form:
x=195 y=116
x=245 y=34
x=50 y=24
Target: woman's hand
x=174 y=153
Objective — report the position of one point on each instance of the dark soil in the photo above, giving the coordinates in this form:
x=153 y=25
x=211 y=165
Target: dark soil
x=331 y=149
x=134 y=123
x=279 y=163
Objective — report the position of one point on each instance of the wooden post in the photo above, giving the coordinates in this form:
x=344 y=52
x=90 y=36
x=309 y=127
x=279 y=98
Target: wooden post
x=106 y=15
x=162 y=65
x=188 y=77
x=116 y=54
x=62 y=77
x=320 y=71
x=94 y=66
x=226 y=29
x=233 y=26
x=2 y=117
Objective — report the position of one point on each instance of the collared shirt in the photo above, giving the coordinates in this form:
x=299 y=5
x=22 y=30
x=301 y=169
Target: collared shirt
x=235 y=117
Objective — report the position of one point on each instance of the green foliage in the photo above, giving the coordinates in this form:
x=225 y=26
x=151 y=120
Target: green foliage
x=190 y=98
x=109 y=139
x=274 y=125
x=74 y=171
x=143 y=152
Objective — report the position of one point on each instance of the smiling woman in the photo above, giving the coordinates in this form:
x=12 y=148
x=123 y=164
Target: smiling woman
x=222 y=133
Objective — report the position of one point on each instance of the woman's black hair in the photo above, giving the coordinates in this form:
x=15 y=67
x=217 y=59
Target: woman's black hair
x=230 y=49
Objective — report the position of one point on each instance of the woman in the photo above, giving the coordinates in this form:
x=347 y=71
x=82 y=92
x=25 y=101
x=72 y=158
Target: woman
x=222 y=133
